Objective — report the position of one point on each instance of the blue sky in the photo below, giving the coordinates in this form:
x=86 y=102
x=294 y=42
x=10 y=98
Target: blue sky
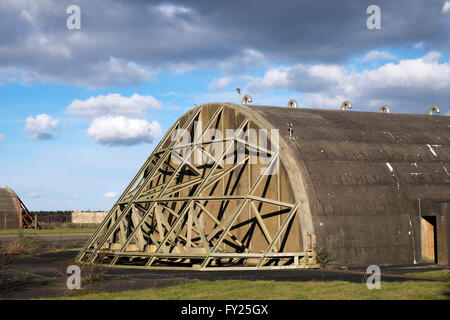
x=81 y=110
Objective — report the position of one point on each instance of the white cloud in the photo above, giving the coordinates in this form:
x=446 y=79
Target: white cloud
x=170 y=10
x=110 y=195
x=115 y=131
x=220 y=83
x=43 y=127
x=33 y=195
x=446 y=7
x=113 y=104
x=309 y=78
x=407 y=80
x=408 y=85
x=324 y=101
x=375 y=55
x=2 y=137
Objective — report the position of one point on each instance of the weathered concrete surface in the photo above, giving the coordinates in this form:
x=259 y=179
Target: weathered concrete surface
x=363 y=173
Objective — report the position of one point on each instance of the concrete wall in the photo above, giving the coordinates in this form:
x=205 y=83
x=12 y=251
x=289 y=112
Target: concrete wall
x=84 y=217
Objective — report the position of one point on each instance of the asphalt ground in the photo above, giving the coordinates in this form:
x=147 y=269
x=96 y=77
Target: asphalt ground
x=44 y=275
x=51 y=240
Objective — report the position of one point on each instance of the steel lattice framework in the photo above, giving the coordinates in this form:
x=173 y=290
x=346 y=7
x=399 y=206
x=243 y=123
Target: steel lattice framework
x=225 y=211
x=26 y=219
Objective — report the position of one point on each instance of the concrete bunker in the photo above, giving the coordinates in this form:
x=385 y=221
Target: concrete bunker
x=356 y=184
x=13 y=212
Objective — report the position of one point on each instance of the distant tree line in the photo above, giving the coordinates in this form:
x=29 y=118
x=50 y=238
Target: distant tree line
x=59 y=212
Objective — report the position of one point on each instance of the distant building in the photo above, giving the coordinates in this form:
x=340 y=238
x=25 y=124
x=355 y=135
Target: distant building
x=88 y=217
x=274 y=187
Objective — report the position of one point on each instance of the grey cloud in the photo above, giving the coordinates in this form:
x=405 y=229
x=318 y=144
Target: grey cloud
x=41 y=136
x=145 y=37
x=325 y=30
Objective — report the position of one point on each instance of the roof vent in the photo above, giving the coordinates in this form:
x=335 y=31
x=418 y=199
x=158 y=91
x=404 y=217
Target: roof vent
x=292 y=104
x=434 y=109
x=346 y=104
x=385 y=109
x=246 y=99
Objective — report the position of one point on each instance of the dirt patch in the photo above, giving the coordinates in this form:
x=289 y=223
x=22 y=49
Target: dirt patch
x=50 y=241
x=44 y=275
x=23 y=244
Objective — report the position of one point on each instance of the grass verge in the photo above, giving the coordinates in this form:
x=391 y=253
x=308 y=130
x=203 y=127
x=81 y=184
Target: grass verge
x=272 y=290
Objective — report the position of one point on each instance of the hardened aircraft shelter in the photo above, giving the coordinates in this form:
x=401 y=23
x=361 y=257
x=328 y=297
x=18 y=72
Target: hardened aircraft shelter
x=244 y=186
x=13 y=212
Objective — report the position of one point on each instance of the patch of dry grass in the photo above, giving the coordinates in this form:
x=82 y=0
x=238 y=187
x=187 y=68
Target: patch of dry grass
x=24 y=244
x=92 y=273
